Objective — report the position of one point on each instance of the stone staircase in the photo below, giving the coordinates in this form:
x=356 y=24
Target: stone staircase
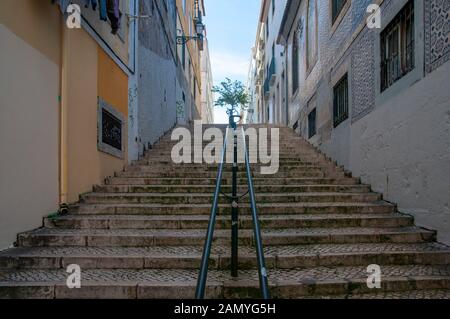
x=141 y=235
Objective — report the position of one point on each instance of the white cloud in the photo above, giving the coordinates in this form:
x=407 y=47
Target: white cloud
x=226 y=64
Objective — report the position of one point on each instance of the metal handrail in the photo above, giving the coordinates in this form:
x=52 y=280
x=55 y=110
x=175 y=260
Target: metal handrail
x=201 y=282
x=263 y=281
x=262 y=271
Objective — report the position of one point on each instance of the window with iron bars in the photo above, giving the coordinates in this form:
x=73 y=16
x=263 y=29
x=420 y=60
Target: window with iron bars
x=397 y=47
x=295 y=63
x=340 y=101
x=312 y=123
x=336 y=8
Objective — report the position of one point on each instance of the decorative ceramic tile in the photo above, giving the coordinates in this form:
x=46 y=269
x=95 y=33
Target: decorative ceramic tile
x=437 y=33
x=363 y=75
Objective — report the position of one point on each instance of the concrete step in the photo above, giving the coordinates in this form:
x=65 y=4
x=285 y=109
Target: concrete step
x=206 y=198
x=227 y=180
x=180 y=284
x=189 y=257
x=209 y=189
x=188 y=237
x=224 y=222
x=244 y=208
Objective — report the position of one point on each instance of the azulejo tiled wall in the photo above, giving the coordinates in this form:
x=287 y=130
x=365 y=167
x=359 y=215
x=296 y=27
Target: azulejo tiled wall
x=437 y=33
x=363 y=75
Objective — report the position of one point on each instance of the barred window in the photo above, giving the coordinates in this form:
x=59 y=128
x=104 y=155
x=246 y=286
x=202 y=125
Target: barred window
x=397 y=47
x=295 y=63
x=340 y=101
x=336 y=8
x=312 y=123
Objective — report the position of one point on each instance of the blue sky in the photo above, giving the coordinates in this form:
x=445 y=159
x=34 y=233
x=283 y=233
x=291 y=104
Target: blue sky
x=231 y=31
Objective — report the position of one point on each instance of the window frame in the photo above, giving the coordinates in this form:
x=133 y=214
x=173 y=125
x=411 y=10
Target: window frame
x=295 y=62
x=310 y=64
x=312 y=129
x=396 y=34
x=339 y=9
x=341 y=104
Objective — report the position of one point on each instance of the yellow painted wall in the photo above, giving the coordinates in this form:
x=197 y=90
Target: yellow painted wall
x=112 y=83
x=36 y=22
x=91 y=73
x=192 y=47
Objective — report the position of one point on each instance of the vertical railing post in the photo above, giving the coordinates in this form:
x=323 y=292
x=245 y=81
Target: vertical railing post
x=234 y=212
x=203 y=274
x=262 y=271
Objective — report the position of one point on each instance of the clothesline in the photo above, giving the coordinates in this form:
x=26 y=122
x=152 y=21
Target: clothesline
x=108 y=10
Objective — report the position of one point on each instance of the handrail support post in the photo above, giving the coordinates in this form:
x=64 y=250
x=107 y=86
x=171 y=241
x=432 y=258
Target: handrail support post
x=234 y=212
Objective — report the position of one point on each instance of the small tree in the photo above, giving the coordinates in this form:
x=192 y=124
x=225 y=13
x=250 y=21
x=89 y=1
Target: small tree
x=231 y=95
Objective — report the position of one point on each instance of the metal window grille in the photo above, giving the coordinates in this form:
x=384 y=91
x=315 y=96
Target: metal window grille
x=340 y=101
x=397 y=47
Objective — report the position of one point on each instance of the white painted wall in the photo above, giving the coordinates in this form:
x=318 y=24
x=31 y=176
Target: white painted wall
x=28 y=137
x=402 y=149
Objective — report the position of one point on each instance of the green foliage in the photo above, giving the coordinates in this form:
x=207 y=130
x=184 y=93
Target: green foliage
x=231 y=95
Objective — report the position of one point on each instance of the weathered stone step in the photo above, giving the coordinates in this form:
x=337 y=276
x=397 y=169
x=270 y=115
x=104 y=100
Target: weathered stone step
x=189 y=257
x=227 y=174
x=204 y=198
x=145 y=238
x=244 y=208
x=434 y=294
x=180 y=284
x=224 y=222
x=255 y=169
x=283 y=162
x=227 y=188
x=227 y=180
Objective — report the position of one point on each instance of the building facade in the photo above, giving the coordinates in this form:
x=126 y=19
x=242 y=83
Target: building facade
x=81 y=101
x=251 y=88
x=189 y=101
x=270 y=65
x=370 y=88
x=207 y=87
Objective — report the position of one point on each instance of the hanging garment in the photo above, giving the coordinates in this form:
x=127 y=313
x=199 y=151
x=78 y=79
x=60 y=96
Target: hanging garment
x=114 y=15
x=92 y=3
x=103 y=10
x=63 y=4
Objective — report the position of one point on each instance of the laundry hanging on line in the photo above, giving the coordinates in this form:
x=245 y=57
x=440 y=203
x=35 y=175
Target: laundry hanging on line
x=108 y=10
x=91 y=3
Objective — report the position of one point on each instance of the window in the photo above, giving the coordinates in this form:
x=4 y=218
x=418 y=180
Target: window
x=340 y=101
x=110 y=130
x=183 y=55
x=336 y=8
x=184 y=6
x=273 y=7
x=312 y=123
x=397 y=47
x=295 y=64
x=311 y=43
x=267 y=28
